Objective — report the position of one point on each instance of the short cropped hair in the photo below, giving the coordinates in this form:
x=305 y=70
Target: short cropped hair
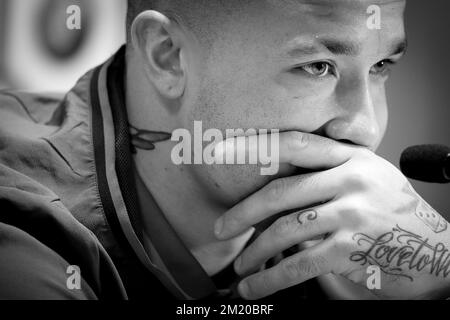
x=201 y=16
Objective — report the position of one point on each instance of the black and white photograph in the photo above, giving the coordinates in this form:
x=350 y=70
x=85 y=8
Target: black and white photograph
x=225 y=156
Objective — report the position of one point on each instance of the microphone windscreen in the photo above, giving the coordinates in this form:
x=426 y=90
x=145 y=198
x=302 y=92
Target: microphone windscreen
x=425 y=163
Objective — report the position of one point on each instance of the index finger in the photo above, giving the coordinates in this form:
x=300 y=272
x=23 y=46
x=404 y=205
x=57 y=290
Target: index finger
x=299 y=149
x=310 y=263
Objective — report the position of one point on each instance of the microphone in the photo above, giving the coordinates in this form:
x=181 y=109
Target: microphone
x=428 y=163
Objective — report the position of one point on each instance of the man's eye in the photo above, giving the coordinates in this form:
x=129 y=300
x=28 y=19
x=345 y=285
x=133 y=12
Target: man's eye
x=381 y=67
x=317 y=69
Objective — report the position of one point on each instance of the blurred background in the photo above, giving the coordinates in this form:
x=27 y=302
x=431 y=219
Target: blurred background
x=419 y=92
x=37 y=54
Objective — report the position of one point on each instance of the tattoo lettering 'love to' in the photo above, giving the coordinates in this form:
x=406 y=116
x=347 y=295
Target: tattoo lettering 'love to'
x=306 y=215
x=145 y=139
x=426 y=213
x=400 y=251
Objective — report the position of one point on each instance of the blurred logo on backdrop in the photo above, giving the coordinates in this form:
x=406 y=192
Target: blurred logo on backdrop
x=64 y=42
x=48 y=44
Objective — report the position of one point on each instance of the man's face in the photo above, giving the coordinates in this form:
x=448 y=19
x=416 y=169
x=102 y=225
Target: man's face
x=311 y=66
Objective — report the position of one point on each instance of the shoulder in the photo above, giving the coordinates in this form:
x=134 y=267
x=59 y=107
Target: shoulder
x=30 y=270
x=24 y=119
x=34 y=107
x=47 y=137
x=42 y=245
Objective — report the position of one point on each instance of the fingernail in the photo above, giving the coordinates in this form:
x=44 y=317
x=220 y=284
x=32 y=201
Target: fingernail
x=243 y=289
x=218 y=227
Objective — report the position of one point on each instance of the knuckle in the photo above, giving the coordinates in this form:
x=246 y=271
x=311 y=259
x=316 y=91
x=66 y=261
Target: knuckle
x=265 y=282
x=352 y=217
x=282 y=226
x=304 y=140
x=316 y=264
x=298 y=141
x=351 y=208
x=357 y=180
x=304 y=267
x=327 y=144
x=291 y=269
x=309 y=180
x=276 y=189
x=344 y=243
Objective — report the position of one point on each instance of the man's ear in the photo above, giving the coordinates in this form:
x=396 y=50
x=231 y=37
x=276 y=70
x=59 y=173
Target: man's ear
x=157 y=40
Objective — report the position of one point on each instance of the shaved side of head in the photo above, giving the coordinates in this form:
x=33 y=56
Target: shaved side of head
x=202 y=17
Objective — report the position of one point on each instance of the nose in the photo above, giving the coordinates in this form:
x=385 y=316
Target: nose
x=355 y=120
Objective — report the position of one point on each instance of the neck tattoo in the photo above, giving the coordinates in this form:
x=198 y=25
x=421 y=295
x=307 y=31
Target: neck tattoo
x=146 y=139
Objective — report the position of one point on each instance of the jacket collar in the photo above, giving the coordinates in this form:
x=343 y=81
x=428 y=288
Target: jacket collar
x=166 y=256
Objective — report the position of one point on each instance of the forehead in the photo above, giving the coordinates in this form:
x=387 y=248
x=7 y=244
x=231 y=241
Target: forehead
x=330 y=7
x=336 y=14
x=272 y=25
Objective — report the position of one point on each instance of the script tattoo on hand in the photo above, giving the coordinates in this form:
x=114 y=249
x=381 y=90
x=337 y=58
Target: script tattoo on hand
x=145 y=139
x=425 y=212
x=399 y=251
x=306 y=215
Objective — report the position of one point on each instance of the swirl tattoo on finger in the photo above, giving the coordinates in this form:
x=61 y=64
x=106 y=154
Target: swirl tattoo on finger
x=308 y=215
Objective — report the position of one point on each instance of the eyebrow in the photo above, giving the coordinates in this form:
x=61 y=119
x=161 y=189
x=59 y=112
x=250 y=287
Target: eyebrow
x=343 y=47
